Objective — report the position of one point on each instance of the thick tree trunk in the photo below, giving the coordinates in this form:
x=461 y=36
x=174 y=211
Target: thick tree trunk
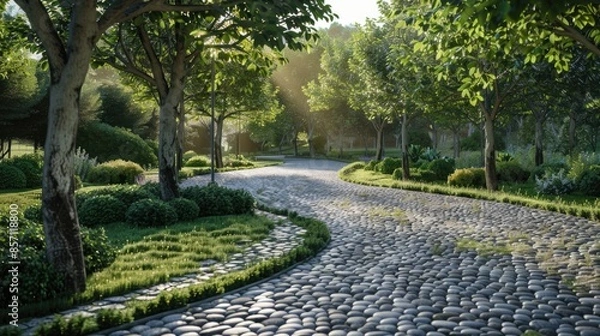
x=180 y=132
x=491 y=180
x=539 y=141
x=61 y=226
x=167 y=147
x=405 y=159
x=482 y=143
x=219 y=142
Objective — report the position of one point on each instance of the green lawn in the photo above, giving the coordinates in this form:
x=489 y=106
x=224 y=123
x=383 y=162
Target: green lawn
x=521 y=194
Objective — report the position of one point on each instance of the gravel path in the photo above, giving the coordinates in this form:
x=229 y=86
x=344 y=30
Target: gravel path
x=399 y=264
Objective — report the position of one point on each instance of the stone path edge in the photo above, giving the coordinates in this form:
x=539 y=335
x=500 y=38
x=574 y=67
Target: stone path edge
x=567 y=209
x=213 y=298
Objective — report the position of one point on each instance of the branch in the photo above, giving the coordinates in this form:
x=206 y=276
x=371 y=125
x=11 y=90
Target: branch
x=155 y=65
x=574 y=34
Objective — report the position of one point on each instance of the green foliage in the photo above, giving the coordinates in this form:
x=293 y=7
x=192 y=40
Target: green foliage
x=151 y=212
x=31 y=165
x=11 y=177
x=468 y=177
x=388 y=165
x=197 y=161
x=511 y=172
x=38 y=281
x=548 y=168
x=235 y=163
x=82 y=163
x=415 y=152
x=555 y=183
x=188 y=155
x=34 y=213
x=60 y=326
x=371 y=165
x=128 y=194
x=101 y=210
x=107 y=318
x=214 y=200
x=441 y=168
x=107 y=143
x=115 y=172
x=430 y=154
x=504 y=157
x=589 y=181
x=186 y=209
x=78 y=182
x=422 y=175
x=352 y=167
x=152 y=187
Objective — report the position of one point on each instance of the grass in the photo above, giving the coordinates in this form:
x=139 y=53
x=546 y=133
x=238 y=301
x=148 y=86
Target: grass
x=483 y=249
x=577 y=205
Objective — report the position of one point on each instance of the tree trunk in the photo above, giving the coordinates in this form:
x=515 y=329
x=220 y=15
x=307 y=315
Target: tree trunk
x=456 y=143
x=295 y=143
x=61 y=226
x=405 y=164
x=482 y=142
x=167 y=147
x=539 y=141
x=572 y=129
x=491 y=180
x=433 y=135
x=379 y=150
x=219 y=142
x=180 y=132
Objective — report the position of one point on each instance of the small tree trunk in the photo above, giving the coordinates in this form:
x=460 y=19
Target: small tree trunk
x=456 y=143
x=491 y=180
x=379 y=150
x=219 y=142
x=295 y=143
x=180 y=132
x=539 y=139
x=167 y=147
x=405 y=159
x=572 y=129
x=482 y=142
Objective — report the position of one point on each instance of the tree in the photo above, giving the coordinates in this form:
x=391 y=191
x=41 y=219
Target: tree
x=69 y=53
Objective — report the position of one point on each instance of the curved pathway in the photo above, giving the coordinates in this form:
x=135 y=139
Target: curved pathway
x=393 y=266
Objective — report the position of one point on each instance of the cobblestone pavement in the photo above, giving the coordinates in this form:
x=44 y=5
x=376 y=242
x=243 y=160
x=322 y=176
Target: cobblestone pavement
x=399 y=263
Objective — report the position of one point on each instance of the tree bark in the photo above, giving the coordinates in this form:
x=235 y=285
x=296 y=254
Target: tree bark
x=180 y=132
x=219 y=142
x=491 y=180
x=405 y=159
x=167 y=147
x=539 y=140
x=572 y=129
x=456 y=143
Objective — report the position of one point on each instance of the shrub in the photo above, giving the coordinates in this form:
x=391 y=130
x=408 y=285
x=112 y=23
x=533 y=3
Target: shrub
x=101 y=210
x=235 y=163
x=214 y=200
x=188 y=155
x=38 y=281
x=430 y=154
x=468 y=177
x=512 y=172
x=31 y=165
x=555 y=183
x=78 y=182
x=371 y=165
x=589 y=181
x=151 y=212
x=388 y=165
x=415 y=152
x=441 y=168
x=108 y=143
x=128 y=194
x=504 y=157
x=11 y=177
x=547 y=168
x=186 y=209
x=351 y=168
x=397 y=174
x=421 y=175
x=116 y=172
x=152 y=187
x=34 y=213
x=83 y=163
x=198 y=161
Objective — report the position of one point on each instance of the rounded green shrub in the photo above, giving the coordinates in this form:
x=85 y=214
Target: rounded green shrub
x=235 y=163
x=188 y=155
x=468 y=177
x=11 y=177
x=441 y=168
x=547 y=168
x=31 y=165
x=101 y=210
x=115 y=172
x=511 y=171
x=186 y=209
x=397 y=174
x=198 y=161
x=214 y=200
x=424 y=175
x=34 y=213
x=555 y=184
x=589 y=181
x=152 y=187
x=371 y=165
x=388 y=165
x=97 y=250
x=107 y=143
x=151 y=213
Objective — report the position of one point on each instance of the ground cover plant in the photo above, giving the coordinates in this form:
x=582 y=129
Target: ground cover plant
x=525 y=193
